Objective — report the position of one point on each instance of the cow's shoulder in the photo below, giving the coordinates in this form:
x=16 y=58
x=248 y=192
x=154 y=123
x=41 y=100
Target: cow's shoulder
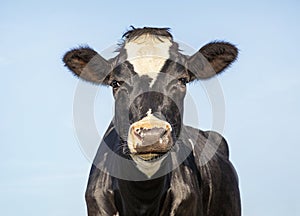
x=100 y=195
x=219 y=181
x=206 y=142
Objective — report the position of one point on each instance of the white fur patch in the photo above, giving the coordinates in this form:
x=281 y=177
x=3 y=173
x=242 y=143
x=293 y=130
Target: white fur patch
x=192 y=143
x=146 y=167
x=148 y=54
x=149 y=112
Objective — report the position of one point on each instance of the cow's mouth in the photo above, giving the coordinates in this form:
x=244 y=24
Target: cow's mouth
x=150 y=156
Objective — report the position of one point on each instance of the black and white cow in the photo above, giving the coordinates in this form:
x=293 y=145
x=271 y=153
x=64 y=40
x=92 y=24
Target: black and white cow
x=149 y=162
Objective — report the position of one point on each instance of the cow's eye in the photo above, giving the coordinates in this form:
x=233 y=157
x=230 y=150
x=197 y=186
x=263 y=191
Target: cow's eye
x=115 y=84
x=183 y=80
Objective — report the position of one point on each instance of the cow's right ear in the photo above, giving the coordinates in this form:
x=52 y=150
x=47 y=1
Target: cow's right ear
x=88 y=65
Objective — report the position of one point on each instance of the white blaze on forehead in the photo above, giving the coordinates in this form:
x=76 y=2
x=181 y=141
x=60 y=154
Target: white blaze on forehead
x=148 y=54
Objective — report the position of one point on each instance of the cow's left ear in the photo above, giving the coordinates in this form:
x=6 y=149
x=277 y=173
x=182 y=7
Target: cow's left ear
x=211 y=59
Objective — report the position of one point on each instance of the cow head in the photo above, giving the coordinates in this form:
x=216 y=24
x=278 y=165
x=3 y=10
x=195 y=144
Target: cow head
x=148 y=78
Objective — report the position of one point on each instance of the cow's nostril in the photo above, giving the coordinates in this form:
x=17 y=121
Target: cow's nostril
x=153 y=135
x=158 y=131
x=164 y=133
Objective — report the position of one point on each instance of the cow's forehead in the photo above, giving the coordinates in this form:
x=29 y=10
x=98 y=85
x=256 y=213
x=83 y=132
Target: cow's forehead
x=148 y=54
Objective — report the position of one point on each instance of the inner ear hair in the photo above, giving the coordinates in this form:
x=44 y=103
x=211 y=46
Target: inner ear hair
x=211 y=59
x=219 y=54
x=87 y=64
x=76 y=59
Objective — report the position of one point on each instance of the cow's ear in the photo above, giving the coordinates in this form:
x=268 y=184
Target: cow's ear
x=88 y=65
x=211 y=59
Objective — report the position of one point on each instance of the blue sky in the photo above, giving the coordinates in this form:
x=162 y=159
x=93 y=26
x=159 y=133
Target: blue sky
x=43 y=168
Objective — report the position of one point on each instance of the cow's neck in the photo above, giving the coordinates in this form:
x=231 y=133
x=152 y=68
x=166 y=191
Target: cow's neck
x=142 y=197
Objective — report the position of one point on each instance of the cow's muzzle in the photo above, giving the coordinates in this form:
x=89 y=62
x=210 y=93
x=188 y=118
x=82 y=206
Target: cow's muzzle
x=150 y=138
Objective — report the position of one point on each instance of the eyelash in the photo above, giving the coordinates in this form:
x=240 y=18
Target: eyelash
x=183 y=80
x=115 y=84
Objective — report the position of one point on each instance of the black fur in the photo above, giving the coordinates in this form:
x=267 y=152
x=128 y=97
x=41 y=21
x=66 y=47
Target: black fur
x=202 y=184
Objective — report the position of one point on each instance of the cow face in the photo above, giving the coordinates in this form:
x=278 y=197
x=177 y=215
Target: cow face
x=149 y=78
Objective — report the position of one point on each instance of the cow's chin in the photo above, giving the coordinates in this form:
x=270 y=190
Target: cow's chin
x=149 y=163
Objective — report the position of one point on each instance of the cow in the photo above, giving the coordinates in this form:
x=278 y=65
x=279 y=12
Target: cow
x=149 y=162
